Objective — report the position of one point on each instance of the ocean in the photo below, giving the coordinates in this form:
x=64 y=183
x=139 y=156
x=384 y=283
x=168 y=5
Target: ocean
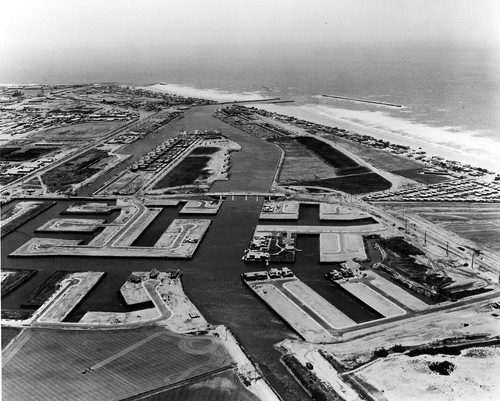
x=450 y=94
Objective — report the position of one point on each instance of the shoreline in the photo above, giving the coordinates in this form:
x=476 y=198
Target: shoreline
x=419 y=137
x=312 y=114
x=218 y=95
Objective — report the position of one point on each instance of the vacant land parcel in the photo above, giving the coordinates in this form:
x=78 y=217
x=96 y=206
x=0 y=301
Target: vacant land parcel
x=74 y=171
x=185 y=173
x=113 y=362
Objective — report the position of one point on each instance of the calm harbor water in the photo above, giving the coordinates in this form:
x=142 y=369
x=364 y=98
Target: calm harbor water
x=211 y=279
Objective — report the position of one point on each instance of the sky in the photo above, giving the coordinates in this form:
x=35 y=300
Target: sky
x=33 y=25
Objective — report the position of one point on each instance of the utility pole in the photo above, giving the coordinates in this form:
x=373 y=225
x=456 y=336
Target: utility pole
x=425 y=237
x=447 y=248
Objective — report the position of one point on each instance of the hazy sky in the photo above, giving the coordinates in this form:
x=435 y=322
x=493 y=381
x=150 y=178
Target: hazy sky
x=27 y=25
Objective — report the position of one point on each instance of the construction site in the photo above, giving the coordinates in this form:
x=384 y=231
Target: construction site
x=154 y=241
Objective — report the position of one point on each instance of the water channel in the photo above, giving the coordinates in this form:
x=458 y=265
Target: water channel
x=211 y=279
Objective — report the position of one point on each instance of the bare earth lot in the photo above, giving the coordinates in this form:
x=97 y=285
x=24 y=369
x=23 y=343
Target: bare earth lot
x=84 y=131
x=74 y=171
x=411 y=378
x=124 y=363
x=224 y=386
x=477 y=222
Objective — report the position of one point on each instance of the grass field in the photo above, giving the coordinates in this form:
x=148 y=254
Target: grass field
x=204 y=150
x=378 y=158
x=73 y=171
x=14 y=279
x=185 y=173
x=301 y=164
x=356 y=184
x=26 y=154
x=335 y=158
x=46 y=289
x=8 y=334
x=224 y=386
x=50 y=365
x=414 y=174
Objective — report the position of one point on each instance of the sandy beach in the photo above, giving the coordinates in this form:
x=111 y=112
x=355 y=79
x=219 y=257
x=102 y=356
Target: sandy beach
x=467 y=148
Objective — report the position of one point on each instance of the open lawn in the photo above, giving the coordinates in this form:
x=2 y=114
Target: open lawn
x=50 y=364
x=356 y=184
x=74 y=171
x=185 y=173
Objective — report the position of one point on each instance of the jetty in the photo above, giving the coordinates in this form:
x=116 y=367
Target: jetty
x=351 y=99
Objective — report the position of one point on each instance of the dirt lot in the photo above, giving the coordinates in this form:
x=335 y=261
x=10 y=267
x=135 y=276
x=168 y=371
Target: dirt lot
x=74 y=171
x=46 y=289
x=50 y=364
x=407 y=378
x=224 y=386
x=14 y=278
x=84 y=131
x=474 y=221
